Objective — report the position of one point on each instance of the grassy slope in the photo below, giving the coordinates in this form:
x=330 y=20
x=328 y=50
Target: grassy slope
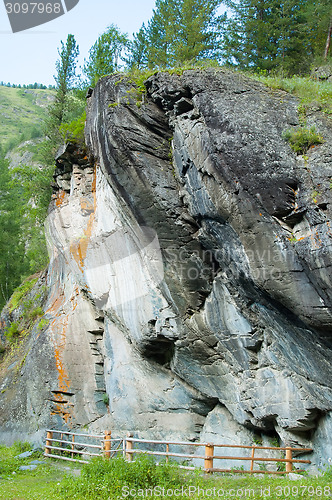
x=55 y=480
x=21 y=111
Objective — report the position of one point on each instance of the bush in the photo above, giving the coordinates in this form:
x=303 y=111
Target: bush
x=74 y=131
x=35 y=313
x=301 y=139
x=21 y=291
x=12 y=331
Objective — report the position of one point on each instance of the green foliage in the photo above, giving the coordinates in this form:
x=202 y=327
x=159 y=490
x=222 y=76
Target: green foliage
x=301 y=139
x=74 y=131
x=22 y=114
x=265 y=35
x=105 y=55
x=24 y=198
x=179 y=31
x=105 y=478
x=257 y=439
x=65 y=78
x=328 y=473
x=311 y=92
x=12 y=332
x=58 y=112
x=43 y=323
x=8 y=463
x=106 y=399
x=35 y=313
x=12 y=260
x=21 y=292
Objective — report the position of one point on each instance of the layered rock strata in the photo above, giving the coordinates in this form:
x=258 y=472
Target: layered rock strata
x=190 y=274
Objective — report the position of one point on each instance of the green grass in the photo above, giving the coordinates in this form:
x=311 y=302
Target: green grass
x=111 y=479
x=103 y=479
x=310 y=92
x=302 y=138
x=22 y=114
x=40 y=483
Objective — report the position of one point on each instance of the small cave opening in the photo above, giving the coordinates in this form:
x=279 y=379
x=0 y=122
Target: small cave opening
x=159 y=349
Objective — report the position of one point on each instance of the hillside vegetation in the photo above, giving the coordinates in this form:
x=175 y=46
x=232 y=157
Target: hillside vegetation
x=22 y=114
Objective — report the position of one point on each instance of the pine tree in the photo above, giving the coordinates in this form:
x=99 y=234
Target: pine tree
x=179 y=31
x=319 y=19
x=268 y=35
x=138 y=56
x=59 y=110
x=65 y=78
x=105 y=55
x=13 y=264
x=199 y=30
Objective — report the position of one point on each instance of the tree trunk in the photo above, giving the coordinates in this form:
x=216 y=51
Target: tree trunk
x=328 y=40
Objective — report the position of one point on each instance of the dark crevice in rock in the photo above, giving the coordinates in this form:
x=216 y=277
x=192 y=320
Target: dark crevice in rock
x=66 y=393
x=159 y=349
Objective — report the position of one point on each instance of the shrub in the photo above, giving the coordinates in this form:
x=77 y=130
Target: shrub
x=301 y=139
x=74 y=131
x=21 y=291
x=35 y=313
x=12 y=331
x=106 y=399
x=43 y=323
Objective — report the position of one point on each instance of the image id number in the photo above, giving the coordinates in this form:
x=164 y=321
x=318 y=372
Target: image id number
x=311 y=491
x=33 y=8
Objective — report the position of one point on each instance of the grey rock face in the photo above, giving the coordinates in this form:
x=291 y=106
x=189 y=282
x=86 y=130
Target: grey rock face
x=190 y=275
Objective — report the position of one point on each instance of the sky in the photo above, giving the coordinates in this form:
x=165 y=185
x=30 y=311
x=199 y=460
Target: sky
x=29 y=56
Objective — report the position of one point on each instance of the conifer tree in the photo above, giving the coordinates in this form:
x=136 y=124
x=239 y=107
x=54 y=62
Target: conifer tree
x=13 y=264
x=105 y=55
x=65 y=77
x=179 y=31
x=268 y=35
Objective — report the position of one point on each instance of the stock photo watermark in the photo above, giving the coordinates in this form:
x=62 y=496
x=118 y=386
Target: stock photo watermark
x=24 y=15
x=280 y=491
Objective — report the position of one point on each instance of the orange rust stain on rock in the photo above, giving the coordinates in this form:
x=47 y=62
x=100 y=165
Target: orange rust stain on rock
x=60 y=198
x=59 y=328
x=86 y=205
x=63 y=378
x=79 y=249
x=64 y=410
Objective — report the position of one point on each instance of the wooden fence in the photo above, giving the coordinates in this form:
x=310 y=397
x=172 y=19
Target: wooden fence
x=66 y=446
x=210 y=455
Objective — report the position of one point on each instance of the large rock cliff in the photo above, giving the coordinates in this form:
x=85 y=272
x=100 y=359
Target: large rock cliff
x=190 y=273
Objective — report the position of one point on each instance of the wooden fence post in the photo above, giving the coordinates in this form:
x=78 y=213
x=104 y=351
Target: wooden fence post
x=167 y=451
x=73 y=446
x=129 y=446
x=252 y=459
x=208 y=460
x=107 y=444
x=49 y=436
x=289 y=465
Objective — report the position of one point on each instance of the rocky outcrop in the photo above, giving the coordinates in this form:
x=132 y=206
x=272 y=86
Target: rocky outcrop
x=190 y=270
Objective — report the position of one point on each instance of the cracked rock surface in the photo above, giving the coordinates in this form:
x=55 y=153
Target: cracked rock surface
x=190 y=278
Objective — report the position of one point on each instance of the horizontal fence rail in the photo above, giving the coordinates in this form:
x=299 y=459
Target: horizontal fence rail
x=67 y=447
x=210 y=456
x=59 y=446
